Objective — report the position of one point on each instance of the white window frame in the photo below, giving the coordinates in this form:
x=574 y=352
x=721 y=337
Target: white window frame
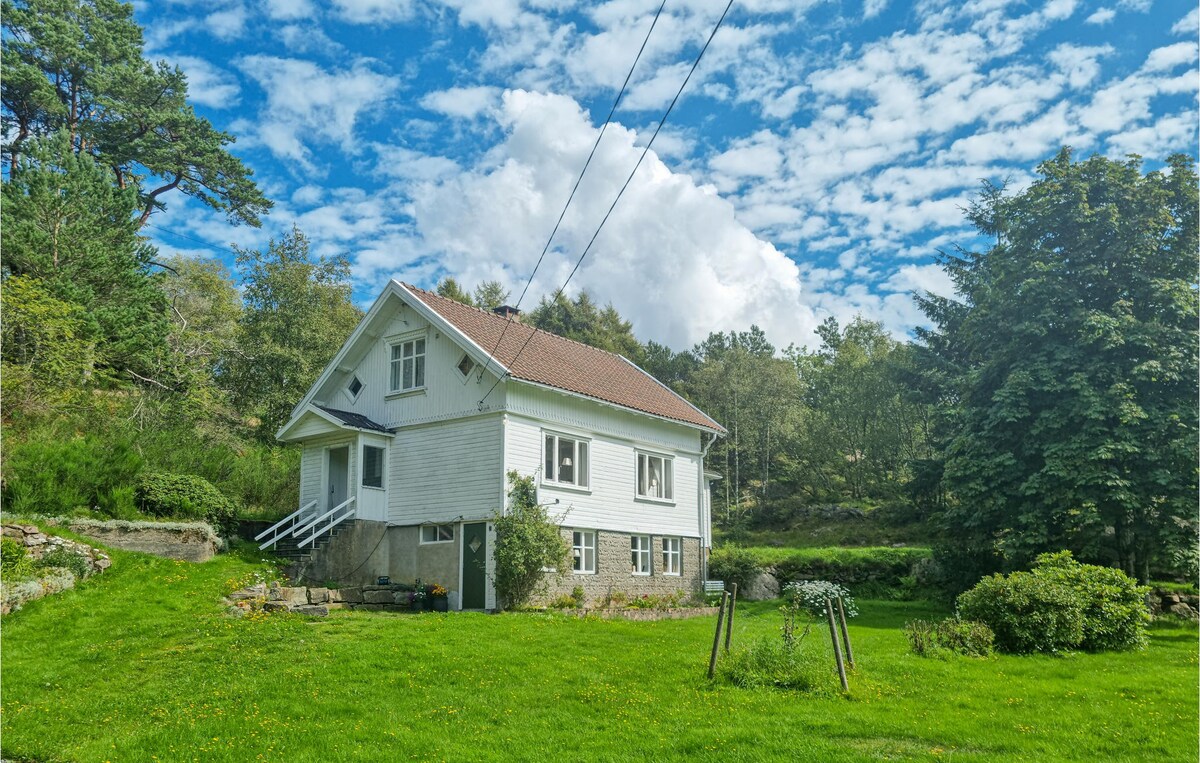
x=668 y=476
x=350 y=393
x=672 y=556
x=362 y=477
x=441 y=534
x=551 y=471
x=639 y=555
x=579 y=549
x=394 y=362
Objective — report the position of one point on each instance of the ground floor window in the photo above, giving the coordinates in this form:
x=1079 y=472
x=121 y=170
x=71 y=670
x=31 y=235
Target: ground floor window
x=437 y=533
x=671 y=556
x=583 y=551
x=639 y=547
x=372 y=470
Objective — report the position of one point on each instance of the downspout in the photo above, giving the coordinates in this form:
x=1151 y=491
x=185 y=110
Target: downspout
x=705 y=511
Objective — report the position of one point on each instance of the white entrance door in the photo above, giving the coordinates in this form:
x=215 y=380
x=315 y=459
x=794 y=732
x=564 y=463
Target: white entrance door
x=338 y=471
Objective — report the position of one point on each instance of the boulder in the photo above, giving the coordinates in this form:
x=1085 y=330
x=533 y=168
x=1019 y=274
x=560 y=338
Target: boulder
x=763 y=586
x=352 y=594
x=275 y=606
x=318 y=595
x=315 y=610
x=1182 y=610
x=1170 y=599
x=378 y=597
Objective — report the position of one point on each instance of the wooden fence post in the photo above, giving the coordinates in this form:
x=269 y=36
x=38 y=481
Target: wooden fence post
x=729 y=621
x=837 y=650
x=712 y=661
x=845 y=634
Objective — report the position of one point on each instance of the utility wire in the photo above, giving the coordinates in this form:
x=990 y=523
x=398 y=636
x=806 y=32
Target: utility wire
x=578 y=180
x=621 y=192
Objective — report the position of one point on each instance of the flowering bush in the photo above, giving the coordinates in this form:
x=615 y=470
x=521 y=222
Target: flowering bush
x=810 y=596
x=437 y=590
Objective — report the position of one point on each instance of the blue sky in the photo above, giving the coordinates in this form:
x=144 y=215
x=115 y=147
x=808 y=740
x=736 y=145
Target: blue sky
x=819 y=158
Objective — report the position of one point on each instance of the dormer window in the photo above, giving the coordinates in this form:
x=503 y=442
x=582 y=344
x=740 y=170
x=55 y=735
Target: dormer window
x=465 y=365
x=353 y=388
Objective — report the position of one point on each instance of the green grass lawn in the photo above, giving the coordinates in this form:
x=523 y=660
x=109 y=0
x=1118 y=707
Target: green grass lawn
x=140 y=664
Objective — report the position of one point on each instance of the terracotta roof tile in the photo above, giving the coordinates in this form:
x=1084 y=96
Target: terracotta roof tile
x=564 y=363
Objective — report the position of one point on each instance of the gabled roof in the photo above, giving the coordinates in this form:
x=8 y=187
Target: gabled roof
x=356 y=420
x=554 y=361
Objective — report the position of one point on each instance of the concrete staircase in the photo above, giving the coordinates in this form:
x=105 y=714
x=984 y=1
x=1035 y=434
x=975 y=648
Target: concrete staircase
x=287 y=547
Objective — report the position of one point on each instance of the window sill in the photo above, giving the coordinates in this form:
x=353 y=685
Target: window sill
x=567 y=487
x=372 y=487
x=405 y=393
x=435 y=542
x=640 y=574
x=582 y=572
x=671 y=574
x=659 y=501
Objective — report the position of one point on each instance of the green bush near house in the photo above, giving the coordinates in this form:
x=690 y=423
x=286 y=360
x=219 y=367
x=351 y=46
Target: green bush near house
x=734 y=564
x=1058 y=605
x=183 y=496
x=52 y=476
x=968 y=637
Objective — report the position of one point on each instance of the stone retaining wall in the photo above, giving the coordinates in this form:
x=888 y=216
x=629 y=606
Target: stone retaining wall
x=187 y=541
x=37 y=544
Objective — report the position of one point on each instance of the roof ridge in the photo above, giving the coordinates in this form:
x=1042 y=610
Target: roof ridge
x=491 y=314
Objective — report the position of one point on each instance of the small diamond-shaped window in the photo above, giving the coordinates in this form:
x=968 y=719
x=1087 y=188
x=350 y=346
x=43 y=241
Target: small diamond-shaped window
x=465 y=365
x=354 y=387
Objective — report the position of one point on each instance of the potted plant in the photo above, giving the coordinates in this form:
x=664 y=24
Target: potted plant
x=416 y=599
x=437 y=597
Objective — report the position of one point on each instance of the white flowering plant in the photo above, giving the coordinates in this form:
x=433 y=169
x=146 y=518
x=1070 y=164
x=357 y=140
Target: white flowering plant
x=808 y=597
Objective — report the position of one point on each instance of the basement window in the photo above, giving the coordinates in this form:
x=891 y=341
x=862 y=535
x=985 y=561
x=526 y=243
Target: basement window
x=437 y=534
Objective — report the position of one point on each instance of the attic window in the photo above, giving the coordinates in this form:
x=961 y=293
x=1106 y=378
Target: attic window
x=354 y=387
x=465 y=365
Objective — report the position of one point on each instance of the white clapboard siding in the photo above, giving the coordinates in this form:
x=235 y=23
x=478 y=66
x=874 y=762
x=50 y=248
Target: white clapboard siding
x=312 y=467
x=444 y=471
x=610 y=502
x=447 y=392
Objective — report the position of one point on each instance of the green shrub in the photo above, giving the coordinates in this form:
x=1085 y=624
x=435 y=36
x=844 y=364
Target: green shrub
x=183 y=496
x=733 y=565
x=1028 y=613
x=527 y=543
x=1060 y=604
x=56 y=476
x=15 y=563
x=967 y=637
x=879 y=572
x=768 y=662
x=67 y=560
x=1115 y=615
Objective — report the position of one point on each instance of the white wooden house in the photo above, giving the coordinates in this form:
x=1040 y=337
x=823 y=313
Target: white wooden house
x=411 y=429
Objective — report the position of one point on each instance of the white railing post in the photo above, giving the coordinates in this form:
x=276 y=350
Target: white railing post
x=284 y=526
x=314 y=526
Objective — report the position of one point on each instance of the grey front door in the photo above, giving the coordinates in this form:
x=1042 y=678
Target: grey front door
x=337 y=473
x=474 y=570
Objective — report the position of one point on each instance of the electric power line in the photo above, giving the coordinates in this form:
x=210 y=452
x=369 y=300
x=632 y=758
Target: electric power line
x=578 y=180
x=621 y=192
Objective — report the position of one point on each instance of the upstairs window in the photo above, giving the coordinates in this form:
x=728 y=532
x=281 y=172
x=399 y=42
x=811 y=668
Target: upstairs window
x=372 y=466
x=353 y=388
x=465 y=365
x=408 y=365
x=654 y=477
x=565 y=461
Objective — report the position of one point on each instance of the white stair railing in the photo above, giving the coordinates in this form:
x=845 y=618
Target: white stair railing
x=331 y=519
x=284 y=526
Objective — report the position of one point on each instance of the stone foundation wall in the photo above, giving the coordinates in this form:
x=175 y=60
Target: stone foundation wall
x=614 y=570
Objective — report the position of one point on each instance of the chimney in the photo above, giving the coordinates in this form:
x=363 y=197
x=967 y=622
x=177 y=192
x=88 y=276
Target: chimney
x=504 y=311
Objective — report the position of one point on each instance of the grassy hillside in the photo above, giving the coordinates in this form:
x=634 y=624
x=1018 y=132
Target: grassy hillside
x=141 y=664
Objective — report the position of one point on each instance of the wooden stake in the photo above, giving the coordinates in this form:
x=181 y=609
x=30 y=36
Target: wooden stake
x=712 y=661
x=845 y=634
x=837 y=651
x=729 y=622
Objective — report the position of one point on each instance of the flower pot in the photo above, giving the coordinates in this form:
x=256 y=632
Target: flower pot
x=441 y=604
x=417 y=605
